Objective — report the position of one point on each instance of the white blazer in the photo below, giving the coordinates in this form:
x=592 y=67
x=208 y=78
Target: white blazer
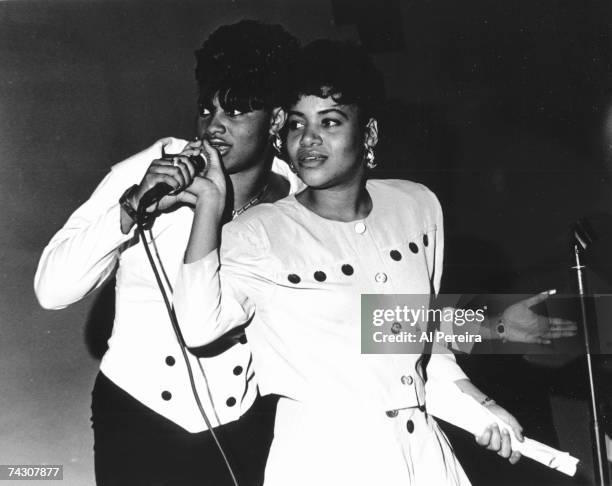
x=143 y=357
x=299 y=277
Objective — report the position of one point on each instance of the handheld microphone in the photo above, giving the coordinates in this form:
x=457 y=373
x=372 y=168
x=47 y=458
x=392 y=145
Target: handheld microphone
x=161 y=189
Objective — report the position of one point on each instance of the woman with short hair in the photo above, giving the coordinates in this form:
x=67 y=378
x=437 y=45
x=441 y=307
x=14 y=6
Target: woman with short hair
x=295 y=271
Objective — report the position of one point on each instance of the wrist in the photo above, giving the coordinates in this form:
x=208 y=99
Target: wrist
x=210 y=205
x=487 y=328
x=494 y=328
x=467 y=387
x=128 y=214
x=498 y=329
x=487 y=402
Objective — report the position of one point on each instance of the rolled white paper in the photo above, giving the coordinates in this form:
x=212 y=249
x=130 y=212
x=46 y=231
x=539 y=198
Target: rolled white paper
x=447 y=402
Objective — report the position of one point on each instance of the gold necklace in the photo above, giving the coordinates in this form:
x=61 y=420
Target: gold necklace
x=250 y=203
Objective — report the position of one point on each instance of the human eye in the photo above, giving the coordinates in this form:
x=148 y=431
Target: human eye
x=203 y=111
x=295 y=124
x=330 y=122
x=234 y=113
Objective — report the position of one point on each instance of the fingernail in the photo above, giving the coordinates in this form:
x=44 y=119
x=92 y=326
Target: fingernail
x=551 y=291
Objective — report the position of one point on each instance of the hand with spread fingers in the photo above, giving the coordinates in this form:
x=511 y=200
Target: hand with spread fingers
x=519 y=323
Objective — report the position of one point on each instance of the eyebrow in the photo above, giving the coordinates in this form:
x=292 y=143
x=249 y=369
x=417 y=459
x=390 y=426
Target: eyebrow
x=322 y=112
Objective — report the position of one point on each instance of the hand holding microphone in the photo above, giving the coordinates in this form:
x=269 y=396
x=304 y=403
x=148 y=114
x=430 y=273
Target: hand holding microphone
x=194 y=176
x=167 y=177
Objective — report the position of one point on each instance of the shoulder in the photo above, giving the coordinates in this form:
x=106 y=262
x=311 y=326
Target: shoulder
x=134 y=167
x=257 y=218
x=404 y=193
x=265 y=222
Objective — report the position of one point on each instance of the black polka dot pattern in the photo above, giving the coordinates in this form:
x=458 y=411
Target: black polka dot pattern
x=166 y=395
x=425 y=240
x=413 y=247
x=320 y=276
x=293 y=278
x=395 y=255
x=170 y=360
x=230 y=402
x=347 y=269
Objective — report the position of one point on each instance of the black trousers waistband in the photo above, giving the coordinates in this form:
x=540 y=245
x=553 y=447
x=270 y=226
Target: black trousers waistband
x=133 y=445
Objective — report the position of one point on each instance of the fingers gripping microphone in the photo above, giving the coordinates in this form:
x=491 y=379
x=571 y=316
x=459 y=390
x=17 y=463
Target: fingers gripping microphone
x=161 y=189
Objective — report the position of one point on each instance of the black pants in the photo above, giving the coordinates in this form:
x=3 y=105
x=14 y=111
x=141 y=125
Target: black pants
x=135 y=446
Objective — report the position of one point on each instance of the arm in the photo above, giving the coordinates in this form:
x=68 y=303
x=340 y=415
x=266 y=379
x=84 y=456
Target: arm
x=442 y=363
x=85 y=251
x=442 y=366
x=211 y=298
x=518 y=323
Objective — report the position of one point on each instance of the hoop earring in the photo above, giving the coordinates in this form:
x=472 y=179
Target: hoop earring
x=277 y=144
x=369 y=157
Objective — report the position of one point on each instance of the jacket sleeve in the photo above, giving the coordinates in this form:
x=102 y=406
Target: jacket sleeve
x=81 y=255
x=442 y=365
x=218 y=292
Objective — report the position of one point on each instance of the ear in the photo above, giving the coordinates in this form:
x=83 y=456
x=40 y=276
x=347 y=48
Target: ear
x=277 y=120
x=371 y=133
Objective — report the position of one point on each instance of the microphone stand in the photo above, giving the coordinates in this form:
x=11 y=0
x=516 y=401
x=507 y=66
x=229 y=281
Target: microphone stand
x=590 y=343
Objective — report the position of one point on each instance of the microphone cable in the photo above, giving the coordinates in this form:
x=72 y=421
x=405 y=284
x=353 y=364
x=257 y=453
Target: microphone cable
x=179 y=337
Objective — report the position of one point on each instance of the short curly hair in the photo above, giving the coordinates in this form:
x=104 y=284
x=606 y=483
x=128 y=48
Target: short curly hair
x=245 y=64
x=341 y=70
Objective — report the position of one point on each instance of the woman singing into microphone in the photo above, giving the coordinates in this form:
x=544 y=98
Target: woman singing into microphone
x=295 y=271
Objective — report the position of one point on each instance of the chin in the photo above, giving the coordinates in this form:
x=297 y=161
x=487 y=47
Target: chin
x=314 y=179
x=231 y=165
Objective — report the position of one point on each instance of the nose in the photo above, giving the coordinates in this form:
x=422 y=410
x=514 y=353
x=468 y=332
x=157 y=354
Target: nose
x=310 y=137
x=212 y=126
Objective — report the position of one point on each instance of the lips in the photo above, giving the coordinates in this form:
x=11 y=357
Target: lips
x=220 y=146
x=310 y=157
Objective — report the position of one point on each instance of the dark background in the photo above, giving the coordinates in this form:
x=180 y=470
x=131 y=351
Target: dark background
x=499 y=106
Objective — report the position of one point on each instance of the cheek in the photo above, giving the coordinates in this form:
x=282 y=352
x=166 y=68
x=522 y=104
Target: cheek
x=202 y=126
x=349 y=148
x=292 y=143
x=352 y=151
x=252 y=134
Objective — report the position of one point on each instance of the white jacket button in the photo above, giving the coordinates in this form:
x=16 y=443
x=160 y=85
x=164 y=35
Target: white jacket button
x=407 y=380
x=381 y=277
x=360 y=228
